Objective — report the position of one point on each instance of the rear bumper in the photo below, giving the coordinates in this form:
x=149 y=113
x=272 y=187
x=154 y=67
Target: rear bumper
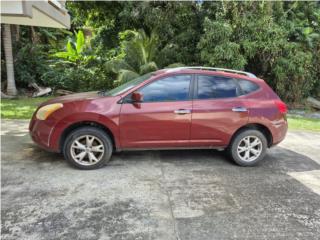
x=279 y=130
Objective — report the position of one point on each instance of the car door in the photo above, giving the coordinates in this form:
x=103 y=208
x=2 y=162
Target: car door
x=162 y=119
x=217 y=111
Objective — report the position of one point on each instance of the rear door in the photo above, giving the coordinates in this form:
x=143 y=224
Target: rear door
x=217 y=111
x=162 y=119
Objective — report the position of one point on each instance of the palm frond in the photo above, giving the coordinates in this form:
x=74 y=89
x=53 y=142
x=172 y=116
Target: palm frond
x=126 y=75
x=80 y=41
x=116 y=65
x=148 y=67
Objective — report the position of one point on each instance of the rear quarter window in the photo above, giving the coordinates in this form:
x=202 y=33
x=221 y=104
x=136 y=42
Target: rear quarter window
x=210 y=87
x=247 y=86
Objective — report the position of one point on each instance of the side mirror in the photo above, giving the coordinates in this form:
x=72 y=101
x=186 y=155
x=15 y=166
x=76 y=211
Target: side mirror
x=136 y=97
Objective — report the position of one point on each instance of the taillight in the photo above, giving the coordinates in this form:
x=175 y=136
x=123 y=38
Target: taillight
x=282 y=107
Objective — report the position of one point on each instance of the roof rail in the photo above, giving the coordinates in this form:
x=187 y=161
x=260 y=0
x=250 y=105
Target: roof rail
x=219 y=69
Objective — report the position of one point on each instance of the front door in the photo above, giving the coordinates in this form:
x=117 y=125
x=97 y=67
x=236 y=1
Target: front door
x=162 y=119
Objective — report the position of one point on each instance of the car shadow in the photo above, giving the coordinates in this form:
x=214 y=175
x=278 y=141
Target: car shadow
x=276 y=159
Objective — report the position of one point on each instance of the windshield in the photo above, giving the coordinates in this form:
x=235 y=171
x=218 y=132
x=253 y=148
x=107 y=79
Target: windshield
x=126 y=86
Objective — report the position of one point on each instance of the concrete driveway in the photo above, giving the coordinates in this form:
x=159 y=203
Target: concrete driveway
x=197 y=194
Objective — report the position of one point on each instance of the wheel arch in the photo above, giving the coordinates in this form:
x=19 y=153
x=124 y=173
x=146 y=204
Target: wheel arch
x=256 y=126
x=81 y=124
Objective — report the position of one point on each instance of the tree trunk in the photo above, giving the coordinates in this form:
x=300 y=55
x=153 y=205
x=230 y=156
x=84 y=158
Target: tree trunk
x=15 y=30
x=313 y=102
x=11 y=84
x=34 y=37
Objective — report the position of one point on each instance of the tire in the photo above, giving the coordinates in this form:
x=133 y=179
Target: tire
x=245 y=154
x=87 y=148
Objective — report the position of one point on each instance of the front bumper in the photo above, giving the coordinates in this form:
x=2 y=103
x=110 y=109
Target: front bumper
x=40 y=132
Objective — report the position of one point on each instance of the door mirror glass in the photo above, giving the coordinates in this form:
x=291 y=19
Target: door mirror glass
x=136 y=97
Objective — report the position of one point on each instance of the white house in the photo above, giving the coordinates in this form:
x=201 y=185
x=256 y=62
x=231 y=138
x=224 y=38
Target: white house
x=43 y=13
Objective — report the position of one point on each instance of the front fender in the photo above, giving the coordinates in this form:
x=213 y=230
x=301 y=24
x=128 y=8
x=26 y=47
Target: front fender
x=111 y=123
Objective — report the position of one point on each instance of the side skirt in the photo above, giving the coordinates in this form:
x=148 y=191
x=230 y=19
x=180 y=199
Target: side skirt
x=220 y=148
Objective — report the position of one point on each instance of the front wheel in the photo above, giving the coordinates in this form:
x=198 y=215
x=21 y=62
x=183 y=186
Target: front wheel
x=248 y=147
x=87 y=148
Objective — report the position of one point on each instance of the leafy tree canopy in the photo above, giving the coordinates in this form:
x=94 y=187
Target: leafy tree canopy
x=278 y=41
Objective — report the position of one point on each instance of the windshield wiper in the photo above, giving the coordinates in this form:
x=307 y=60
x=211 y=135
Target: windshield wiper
x=103 y=92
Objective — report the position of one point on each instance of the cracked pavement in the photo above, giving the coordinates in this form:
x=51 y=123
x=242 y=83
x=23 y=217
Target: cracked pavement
x=185 y=194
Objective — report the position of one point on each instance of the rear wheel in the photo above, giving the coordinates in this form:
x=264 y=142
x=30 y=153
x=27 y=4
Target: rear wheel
x=87 y=148
x=248 y=147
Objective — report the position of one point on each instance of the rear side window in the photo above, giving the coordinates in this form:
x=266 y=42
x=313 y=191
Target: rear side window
x=216 y=87
x=247 y=86
x=173 y=88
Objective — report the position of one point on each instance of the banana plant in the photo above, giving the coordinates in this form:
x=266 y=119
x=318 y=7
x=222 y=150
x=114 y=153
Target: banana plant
x=77 y=50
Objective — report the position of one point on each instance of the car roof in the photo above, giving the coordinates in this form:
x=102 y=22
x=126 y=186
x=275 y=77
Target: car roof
x=208 y=71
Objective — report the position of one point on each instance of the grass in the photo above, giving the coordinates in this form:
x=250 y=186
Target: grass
x=23 y=108
x=20 y=108
x=301 y=123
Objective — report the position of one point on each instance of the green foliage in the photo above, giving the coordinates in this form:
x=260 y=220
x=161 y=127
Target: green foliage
x=136 y=57
x=77 y=68
x=30 y=63
x=77 y=50
x=278 y=41
x=291 y=73
x=217 y=48
x=80 y=78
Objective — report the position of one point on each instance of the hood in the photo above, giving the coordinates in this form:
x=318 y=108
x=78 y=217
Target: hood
x=74 y=97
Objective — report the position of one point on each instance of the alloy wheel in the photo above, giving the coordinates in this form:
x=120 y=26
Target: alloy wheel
x=249 y=148
x=87 y=150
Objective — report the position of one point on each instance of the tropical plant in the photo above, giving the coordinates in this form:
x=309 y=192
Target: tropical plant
x=85 y=69
x=278 y=41
x=136 y=57
x=77 y=50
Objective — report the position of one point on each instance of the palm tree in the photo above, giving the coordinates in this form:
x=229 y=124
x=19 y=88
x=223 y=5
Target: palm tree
x=11 y=84
x=138 y=56
x=139 y=51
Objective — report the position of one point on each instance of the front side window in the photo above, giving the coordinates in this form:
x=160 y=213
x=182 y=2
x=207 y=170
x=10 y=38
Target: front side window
x=173 y=88
x=216 y=87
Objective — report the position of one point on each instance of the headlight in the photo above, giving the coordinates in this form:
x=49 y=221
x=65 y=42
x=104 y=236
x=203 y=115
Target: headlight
x=46 y=111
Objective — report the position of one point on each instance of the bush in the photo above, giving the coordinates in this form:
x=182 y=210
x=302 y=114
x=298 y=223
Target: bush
x=78 y=78
x=30 y=63
x=77 y=68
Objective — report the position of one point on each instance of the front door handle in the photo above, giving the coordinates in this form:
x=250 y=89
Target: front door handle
x=182 y=111
x=239 y=109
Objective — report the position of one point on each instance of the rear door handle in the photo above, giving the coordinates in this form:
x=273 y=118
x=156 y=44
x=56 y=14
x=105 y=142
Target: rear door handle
x=182 y=111
x=239 y=109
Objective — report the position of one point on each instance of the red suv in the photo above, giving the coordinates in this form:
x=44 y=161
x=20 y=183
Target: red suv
x=189 y=107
